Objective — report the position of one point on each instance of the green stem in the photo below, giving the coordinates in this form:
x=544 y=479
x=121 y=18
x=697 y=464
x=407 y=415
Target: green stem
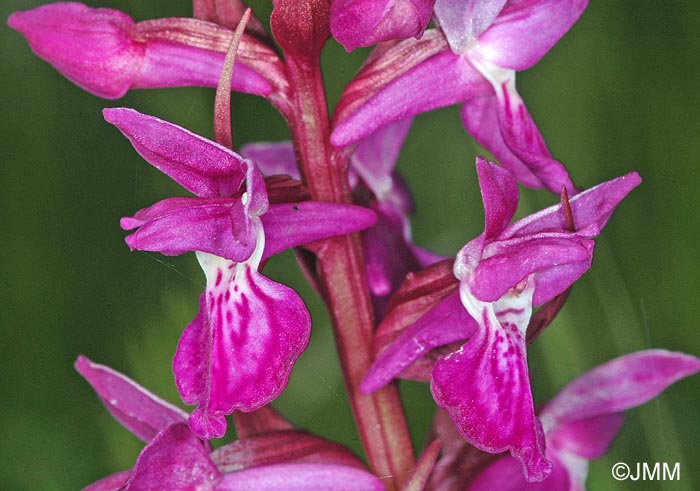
x=380 y=417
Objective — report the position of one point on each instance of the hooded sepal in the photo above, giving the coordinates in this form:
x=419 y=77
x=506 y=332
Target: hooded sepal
x=104 y=52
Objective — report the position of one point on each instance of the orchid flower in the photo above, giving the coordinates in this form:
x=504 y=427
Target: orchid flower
x=356 y=23
x=483 y=383
x=579 y=424
x=104 y=52
x=239 y=350
x=388 y=246
x=485 y=43
x=175 y=458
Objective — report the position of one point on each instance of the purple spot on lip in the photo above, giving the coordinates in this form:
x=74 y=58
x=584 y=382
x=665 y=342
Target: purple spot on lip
x=219 y=276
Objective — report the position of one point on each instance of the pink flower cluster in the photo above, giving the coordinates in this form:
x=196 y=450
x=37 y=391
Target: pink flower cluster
x=398 y=310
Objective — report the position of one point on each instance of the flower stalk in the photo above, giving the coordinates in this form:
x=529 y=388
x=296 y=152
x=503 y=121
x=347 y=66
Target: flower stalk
x=379 y=417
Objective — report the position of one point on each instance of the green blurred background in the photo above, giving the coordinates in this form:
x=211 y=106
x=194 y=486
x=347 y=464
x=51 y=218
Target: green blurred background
x=619 y=92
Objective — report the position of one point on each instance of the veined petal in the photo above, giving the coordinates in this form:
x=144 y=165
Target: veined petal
x=295 y=224
x=175 y=459
x=277 y=447
x=238 y=352
x=506 y=475
x=300 y=477
x=178 y=225
x=115 y=482
x=90 y=47
x=556 y=261
x=620 y=384
x=591 y=209
x=197 y=164
x=485 y=388
x=374 y=159
x=356 y=23
x=518 y=131
x=455 y=76
x=463 y=21
x=445 y=323
x=525 y=30
x=273 y=158
x=138 y=410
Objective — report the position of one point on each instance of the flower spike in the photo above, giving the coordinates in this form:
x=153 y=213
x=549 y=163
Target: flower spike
x=504 y=272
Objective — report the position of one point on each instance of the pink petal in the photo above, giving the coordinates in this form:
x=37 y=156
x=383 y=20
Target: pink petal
x=457 y=79
x=177 y=225
x=620 y=384
x=255 y=197
x=480 y=118
x=519 y=136
x=559 y=258
x=445 y=323
x=592 y=207
x=463 y=21
x=90 y=47
x=485 y=388
x=273 y=158
x=175 y=459
x=526 y=30
x=167 y=64
x=294 y=224
x=506 y=475
x=356 y=23
x=389 y=251
x=374 y=159
x=199 y=165
x=141 y=412
x=300 y=477
x=588 y=438
x=115 y=482
x=500 y=195
x=238 y=352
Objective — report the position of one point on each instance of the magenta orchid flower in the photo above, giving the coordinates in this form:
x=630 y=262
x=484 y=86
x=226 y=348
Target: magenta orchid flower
x=580 y=423
x=483 y=383
x=475 y=63
x=174 y=458
x=238 y=352
x=390 y=252
x=356 y=23
x=104 y=52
